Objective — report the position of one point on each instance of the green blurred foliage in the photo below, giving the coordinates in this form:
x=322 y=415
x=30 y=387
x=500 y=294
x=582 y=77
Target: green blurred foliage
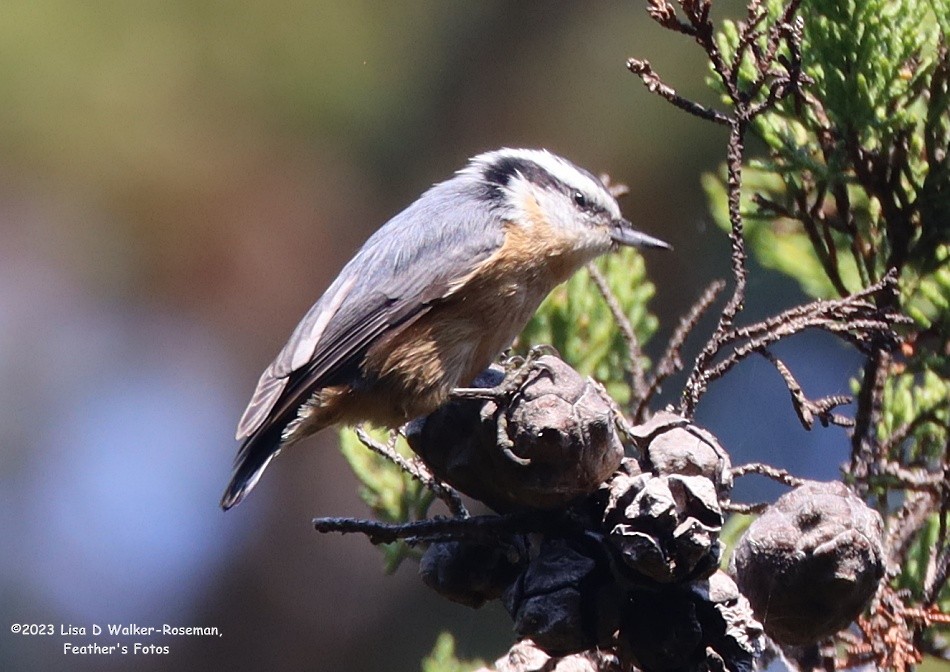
x=909 y=397
x=733 y=529
x=778 y=245
x=874 y=93
x=141 y=76
x=916 y=566
x=926 y=299
x=443 y=659
x=870 y=61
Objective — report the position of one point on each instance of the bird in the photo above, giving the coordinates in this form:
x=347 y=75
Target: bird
x=431 y=300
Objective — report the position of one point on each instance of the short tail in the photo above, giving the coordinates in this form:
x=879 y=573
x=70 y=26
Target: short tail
x=252 y=459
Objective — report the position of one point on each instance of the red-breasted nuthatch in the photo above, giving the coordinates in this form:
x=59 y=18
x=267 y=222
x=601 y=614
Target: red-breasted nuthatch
x=430 y=300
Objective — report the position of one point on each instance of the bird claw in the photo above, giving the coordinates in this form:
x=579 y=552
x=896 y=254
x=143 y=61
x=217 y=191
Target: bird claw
x=517 y=371
x=509 y=453
x=504 y=441
x=517 y=363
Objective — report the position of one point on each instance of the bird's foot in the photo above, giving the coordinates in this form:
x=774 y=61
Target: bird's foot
x=517 y=371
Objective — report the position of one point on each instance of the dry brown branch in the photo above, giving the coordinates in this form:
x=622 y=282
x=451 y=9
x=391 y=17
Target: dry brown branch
x=672 y=361
x=654 y=84
x=853 y=318
x=779 y=77
x=768 y=471
x=889 y=635
x=634 y=365
x=745 y=509
x=486 y=528
x=806 y=409
x=416 y=469
x=700 y=378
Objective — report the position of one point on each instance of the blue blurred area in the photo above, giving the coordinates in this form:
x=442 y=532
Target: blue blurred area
x=127 y=482
x=114 y=420
x=750 y=412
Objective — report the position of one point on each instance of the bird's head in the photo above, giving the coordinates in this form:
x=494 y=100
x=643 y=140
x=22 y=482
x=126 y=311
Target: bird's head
x=535 y=188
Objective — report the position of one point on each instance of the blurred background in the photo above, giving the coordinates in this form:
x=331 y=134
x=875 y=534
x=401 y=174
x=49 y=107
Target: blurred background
x=179 y=181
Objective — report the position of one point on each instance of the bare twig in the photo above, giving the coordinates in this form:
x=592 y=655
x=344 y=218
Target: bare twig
x=911 y=479
x=850 y=308
x=664 y=13
x=617 y=189
x=699 y=379
x=485 y=528
x=938 y=569
x=416 y=469
x=808 y=217
x=745 y=106
x=905 y=522
x=654 y=84
x=852 y=318
x=672 y=362
x=937 y=578
x=857 y=332
x=788 y=30
x=901 y=434
x=865 y=448
x=806 y=409
x=768 y=471
x=889 y=636
x=745 y=509
x=635 y=373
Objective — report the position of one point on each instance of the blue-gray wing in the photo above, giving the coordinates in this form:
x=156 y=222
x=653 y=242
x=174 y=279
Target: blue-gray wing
x=411 y=261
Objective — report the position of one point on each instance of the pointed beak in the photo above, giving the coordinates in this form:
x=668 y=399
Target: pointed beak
x=623 y=233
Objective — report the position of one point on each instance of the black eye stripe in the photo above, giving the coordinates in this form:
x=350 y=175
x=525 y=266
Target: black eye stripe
x=500 y=173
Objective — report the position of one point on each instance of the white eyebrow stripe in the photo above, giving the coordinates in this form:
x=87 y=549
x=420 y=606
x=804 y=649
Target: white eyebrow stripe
x=560 y=168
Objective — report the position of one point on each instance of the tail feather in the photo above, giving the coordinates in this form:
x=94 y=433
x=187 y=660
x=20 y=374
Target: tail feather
x=253 y=457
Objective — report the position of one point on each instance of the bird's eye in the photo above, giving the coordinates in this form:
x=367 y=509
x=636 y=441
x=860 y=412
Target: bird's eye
x=580 y=199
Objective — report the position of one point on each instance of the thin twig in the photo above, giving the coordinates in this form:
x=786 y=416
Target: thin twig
x=865 y=449
x=910 y=479
x=699 y=379
x=904 y=525
x=672 y=361
x=637 y=378
x=853 y=318
x=849 y=309
x=485 y=528
x=824 y=246
x=855 y=331
x=664 y=13
x=654 y=84
x=748 y=34
x=899 y=435
x=417 y=470
x=768 y=471
x=938 y=569
x=937 y=578
x=806 y=409
x=747 y=509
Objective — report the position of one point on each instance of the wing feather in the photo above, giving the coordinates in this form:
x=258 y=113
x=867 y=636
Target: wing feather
x=298 y=352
